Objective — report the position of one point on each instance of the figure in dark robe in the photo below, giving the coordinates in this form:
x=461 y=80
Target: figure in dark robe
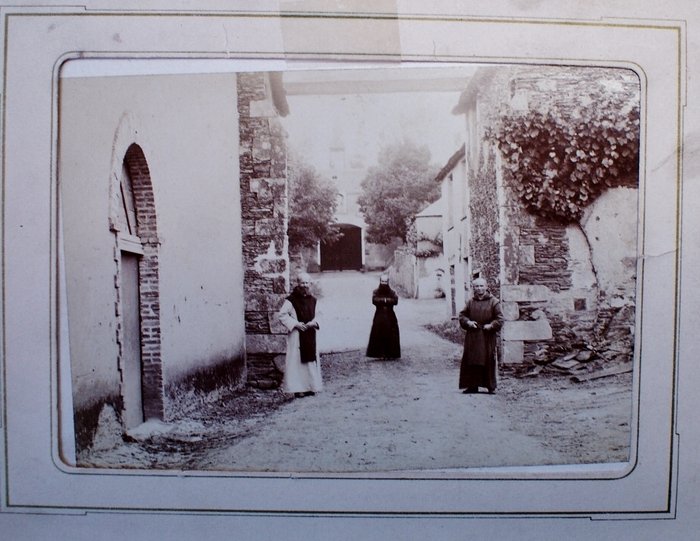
x=481 y=318
x=384 y=341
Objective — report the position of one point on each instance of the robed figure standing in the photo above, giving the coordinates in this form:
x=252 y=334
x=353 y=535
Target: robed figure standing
x=302 y=373
x=482 y=317
x=384 y=340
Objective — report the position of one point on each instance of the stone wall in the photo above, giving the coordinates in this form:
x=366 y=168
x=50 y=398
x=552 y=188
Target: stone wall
x=484 y=220
x=544 y=255
x=550 y=292
x=576 y=312
x=263 y=180
x=402 y=273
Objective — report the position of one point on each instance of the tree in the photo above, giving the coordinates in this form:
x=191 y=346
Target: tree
x=396 y=189
x=312 y=205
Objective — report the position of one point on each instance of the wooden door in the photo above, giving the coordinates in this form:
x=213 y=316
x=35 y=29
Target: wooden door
x=131 y=340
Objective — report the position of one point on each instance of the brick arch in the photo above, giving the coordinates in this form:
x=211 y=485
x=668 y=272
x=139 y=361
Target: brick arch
x=149 y=296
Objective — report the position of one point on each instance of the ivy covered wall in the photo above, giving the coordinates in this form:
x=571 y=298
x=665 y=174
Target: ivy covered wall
x=544 y=143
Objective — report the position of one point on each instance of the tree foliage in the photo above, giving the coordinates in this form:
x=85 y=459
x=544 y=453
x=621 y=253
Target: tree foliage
x=562 y=159
x=396 y=189
x=312 y=205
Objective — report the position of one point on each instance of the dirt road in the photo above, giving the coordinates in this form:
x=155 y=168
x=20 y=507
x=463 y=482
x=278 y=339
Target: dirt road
x=374 y=415
x=383 y=416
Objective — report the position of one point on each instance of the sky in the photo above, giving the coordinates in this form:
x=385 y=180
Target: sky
x=364 y=123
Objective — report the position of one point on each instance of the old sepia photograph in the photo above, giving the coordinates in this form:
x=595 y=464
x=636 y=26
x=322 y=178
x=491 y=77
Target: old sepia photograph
x=354 y=270
x=367 y=271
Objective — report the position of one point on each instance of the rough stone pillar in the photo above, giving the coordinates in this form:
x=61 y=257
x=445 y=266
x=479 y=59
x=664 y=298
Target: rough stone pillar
x=263 y=180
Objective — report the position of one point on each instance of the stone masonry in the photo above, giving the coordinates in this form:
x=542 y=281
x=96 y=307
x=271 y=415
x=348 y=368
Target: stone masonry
x=529 y=262
x=263 y=182
x=483 y=201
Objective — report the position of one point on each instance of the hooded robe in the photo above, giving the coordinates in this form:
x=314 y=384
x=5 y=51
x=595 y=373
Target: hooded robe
x=479 y=360
x=384 y=341
x=302 y=371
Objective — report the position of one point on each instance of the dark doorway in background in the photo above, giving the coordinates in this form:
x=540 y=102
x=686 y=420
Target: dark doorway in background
x=346 y=252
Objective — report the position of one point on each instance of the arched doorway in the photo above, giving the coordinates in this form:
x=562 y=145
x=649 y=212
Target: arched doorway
x=138 y=305
x=346 y=252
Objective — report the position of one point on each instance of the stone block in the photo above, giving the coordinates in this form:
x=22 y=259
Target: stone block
x=276 y=326
x=279 y=284
x=261 y=168
x=525 y=293
x=513 y=351
x=526 y=255
x=527 y=330
x=262 y=109
x=511 y=266
x=273 y=266
x=511 y=311
x=266 y=227
x=109 y=430
x=263 y=302
x=265 y=343
x=257 y=323
x=280 y=362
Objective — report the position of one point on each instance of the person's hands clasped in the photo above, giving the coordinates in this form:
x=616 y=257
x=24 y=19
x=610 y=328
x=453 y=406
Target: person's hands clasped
x=305 y=326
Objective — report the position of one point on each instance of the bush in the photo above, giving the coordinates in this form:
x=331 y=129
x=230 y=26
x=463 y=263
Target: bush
x=449 y=330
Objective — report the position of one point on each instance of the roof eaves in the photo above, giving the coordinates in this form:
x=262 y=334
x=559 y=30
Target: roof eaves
x=451 y=163
x=279 y=94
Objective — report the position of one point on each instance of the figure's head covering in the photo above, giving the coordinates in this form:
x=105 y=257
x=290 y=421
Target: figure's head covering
x=384 y=279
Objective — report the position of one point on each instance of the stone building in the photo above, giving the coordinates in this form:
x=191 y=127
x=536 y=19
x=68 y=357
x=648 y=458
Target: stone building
x=173 y=254
x=430 y=264
x=560 y=283
x=455 y=231
x=352 y=251
x=418 y=267
x=349 y=125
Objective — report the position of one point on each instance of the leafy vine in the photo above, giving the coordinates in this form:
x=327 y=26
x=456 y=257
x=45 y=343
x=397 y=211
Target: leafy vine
x=562 y=159
x=421 y=244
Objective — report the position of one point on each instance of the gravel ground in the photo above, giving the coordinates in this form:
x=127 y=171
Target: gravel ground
x=384 y=416
x=422 y=423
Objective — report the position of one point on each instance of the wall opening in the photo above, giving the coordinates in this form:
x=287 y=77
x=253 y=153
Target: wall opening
x=138 y=300
x=346 y=252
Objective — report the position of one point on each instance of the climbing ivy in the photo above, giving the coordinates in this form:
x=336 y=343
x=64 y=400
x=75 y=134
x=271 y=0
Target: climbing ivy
x=561 y=159
x=413 y=238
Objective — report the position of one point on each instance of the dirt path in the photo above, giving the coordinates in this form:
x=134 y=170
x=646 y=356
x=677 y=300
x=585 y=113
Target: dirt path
x=380 y=416
x=375 y=415
x=383 y=416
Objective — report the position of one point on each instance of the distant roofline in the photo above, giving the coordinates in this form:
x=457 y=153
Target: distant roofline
x=480 y=79
x=450 y=165
x=433 y=210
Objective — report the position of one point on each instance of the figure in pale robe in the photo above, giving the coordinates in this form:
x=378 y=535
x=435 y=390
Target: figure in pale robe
x=302 y=373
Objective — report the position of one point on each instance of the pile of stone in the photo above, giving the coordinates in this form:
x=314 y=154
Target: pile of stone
x=610 y=354
x=571 y=363
x=587 y=362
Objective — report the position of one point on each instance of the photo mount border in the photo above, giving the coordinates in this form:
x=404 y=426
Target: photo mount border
x=334 y=57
